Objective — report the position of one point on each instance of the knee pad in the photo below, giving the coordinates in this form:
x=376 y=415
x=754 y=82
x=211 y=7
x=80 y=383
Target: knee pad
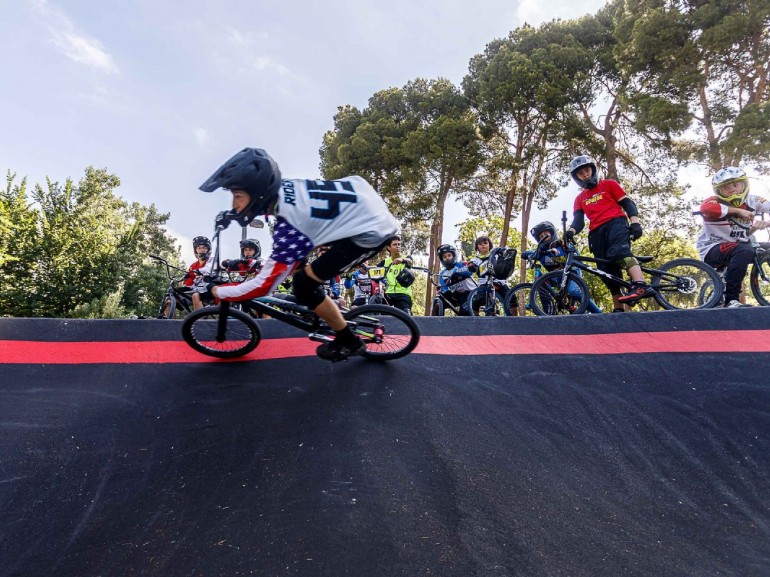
x=309 y=292
x=627 y=262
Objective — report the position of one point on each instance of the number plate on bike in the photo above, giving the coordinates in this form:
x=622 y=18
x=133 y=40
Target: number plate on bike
x=377 y=272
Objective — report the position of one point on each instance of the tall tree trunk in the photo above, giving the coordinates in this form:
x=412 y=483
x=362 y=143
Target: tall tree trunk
x=436 y=234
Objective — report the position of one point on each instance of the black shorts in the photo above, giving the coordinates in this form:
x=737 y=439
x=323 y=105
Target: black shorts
x=611 y=241
x=342 y=256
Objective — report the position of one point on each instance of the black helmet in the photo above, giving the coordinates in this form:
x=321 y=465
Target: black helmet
x=251 y=243
x=444 y=248
x=254 y=171
x=540 y=228
x=201 y=241
x=579 y=162
x=502 y=260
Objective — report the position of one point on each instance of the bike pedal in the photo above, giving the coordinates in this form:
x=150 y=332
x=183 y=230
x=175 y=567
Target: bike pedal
x=320 y=338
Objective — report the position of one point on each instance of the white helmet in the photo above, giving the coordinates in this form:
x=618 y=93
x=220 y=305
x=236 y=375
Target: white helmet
x=729 y=175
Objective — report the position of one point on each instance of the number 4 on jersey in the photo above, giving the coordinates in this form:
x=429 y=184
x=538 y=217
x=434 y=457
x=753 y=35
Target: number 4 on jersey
x=327 y=190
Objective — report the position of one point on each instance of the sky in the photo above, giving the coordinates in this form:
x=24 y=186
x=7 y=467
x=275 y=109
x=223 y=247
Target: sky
x=161 y=93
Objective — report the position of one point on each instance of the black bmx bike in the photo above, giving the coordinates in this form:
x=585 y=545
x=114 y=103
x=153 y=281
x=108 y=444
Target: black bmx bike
x=677 y=284
x=177 y=296
x=222 y=331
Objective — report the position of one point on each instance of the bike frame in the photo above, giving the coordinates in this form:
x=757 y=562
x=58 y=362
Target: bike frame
x=575 y=260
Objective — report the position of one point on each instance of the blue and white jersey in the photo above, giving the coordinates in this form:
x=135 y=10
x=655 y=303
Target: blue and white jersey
x=329 y=210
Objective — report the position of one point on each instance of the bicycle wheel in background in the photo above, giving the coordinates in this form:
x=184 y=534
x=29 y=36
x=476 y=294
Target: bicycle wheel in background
x=679 y=283
x=437 y=308
x=517 y=301
x=388 y=332
x=760 y=287
x=704 y=295
x=167 y=307
x=546 y=299
x=484 y=301
x=241 y=334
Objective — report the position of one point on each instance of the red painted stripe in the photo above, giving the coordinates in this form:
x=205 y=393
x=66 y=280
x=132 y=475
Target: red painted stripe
x=152 y=352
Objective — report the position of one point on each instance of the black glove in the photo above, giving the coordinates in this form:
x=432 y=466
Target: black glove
x=207 y=294
x=473 y=268
x=635 y=230
x=569 y=236
x=222 y=221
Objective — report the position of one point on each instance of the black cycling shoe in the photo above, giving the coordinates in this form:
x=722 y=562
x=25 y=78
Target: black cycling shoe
x=638 y=291
x=336 y=351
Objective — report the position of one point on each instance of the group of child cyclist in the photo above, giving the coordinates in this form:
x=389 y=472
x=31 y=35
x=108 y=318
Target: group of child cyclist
x=344 y=223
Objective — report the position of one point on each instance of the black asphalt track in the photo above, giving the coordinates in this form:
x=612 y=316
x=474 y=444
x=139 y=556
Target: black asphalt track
x=446 y=465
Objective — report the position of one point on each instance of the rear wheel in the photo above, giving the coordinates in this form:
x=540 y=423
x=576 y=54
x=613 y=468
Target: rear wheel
x=760 y=279
x=484 y=301
x=387 y=332
x=547 y=299
x=679 y=285
x=220 y=332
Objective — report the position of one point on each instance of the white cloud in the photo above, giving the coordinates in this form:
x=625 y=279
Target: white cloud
x=75 y=45
x=201 y=135
x=245 y=47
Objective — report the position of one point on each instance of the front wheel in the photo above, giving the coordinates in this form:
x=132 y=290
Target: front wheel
x=760 y=279
x=679 y=283
x=517 y=301
x=484 y=301
x=437 y=309
x=548 y=299
x=221 y=332
x=387 y=332
x=167 y=307
x=376 y=300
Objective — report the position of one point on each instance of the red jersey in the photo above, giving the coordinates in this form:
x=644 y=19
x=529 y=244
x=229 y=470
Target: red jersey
x=190 y=278
x=600 y=203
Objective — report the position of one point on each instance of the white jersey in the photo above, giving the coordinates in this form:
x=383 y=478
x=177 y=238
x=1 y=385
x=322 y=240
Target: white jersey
x=329 y=210
x=718 y=230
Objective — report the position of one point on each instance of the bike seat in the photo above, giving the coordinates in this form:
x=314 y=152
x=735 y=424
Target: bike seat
x=644 y=258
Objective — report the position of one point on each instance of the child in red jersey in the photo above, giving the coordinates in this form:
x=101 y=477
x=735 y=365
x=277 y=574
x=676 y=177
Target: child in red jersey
x=609 y=211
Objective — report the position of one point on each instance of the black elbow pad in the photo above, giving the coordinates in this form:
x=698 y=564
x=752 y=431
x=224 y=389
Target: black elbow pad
x=629 y=206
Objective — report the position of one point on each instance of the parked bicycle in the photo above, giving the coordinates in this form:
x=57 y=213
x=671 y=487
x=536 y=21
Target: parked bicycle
x=759 y=273
x=377 y=276
x=488 y=299
x=517 y=300
x=177 y=296
x=444 y=305
x=224 y=332
x=677 y=284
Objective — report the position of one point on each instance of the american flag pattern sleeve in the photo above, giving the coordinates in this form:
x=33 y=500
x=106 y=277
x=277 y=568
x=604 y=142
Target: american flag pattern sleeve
x=290 y=246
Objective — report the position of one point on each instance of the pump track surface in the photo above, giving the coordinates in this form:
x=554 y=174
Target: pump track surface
x=606 y=445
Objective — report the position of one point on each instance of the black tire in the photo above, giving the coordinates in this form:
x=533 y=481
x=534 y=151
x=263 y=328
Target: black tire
x=483 y=302
x=517 y=301
x=200 y=328
x=167 y=307
x=760 y=287
x=437 y=309
x=679 y=285
x=377 y=300
x=704 y=295
x=545 y=299
x=388 y=332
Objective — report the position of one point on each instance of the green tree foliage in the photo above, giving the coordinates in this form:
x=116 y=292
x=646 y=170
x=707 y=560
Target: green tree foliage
x=522 y=87
x=79 y=244
x=417 y=145
x=702 y=63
